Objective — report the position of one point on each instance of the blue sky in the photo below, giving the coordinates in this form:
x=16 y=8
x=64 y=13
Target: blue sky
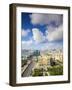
x=41 y=31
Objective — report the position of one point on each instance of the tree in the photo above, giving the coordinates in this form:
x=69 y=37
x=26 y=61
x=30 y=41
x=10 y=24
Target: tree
x=52 y=61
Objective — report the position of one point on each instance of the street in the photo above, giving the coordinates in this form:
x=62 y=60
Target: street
x=28 y=70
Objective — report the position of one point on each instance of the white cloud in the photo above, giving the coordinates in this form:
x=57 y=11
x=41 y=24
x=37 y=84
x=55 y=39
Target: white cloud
x=27 y=42
x=54 y=33
x=38 y=35
x=25 y=32
x=50 y=45
x=46 y=18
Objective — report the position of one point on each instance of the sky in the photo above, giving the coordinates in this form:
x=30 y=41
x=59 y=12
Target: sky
x=41 y=31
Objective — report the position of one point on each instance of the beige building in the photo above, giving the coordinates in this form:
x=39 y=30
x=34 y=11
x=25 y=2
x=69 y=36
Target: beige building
x=58 y=56
x=44 y=59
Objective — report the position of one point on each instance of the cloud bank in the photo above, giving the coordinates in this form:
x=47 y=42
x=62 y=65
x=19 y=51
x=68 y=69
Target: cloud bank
x=46 y=19
x=54 y=33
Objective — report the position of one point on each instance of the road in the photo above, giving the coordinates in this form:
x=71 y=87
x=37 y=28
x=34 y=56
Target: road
x=28 y=70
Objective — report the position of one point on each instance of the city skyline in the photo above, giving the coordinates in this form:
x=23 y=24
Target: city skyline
x=41 y=31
